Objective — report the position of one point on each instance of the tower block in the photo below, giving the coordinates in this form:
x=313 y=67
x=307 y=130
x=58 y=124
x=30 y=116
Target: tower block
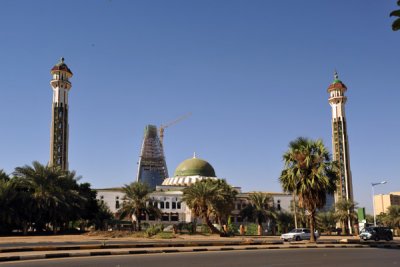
x=59 y=122
x=340 y=144
x=152 y=168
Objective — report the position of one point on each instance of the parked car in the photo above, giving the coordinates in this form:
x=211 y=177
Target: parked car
x=298 y=234
x=376 y=233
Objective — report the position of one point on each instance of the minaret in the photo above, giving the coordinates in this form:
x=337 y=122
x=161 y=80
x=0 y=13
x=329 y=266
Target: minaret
x=340 y=144
x=59 y=122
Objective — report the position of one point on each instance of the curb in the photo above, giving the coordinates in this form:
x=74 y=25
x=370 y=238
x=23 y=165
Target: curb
x=154 y=245
x=183 y=250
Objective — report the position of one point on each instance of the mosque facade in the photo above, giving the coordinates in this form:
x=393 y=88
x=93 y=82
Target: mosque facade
x=169 y=194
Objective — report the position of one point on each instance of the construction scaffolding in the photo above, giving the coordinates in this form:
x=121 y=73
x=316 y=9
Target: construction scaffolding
x=152 y=168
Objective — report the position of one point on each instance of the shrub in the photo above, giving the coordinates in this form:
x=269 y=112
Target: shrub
x=205 y=229
x=154 y=229
x=182 y=227
x=251 y=229
x=232 y=229
x=144 y=225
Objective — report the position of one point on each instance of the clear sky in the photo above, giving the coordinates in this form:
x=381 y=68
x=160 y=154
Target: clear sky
x=254 y=75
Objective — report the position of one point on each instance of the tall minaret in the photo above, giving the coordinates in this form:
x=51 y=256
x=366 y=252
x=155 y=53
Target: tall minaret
x=340 y=144
x=59 y=121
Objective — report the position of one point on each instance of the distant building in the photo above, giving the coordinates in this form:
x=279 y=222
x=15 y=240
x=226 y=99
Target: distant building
x=152 y=168
x=59 y=133
x=383 y=201
x=112 y=197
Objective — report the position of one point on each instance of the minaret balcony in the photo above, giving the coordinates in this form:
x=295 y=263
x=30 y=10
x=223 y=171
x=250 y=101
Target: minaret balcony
x=337 y=99
x=58 y=83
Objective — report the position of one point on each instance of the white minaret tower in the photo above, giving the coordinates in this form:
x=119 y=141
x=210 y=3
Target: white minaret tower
x=340 y=144
x=59 y=123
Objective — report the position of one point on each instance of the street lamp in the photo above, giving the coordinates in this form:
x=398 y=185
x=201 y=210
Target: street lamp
x=373 y=202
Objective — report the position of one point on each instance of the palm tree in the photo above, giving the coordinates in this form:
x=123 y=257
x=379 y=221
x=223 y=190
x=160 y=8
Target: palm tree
x=310 y=174
x=205 y=198
x=101 y=216
x=136 y=203
x=7 y=207
x=392 y=218
x=24 y=203
x=224 y=201
x=260 y=209
x=344 y=212
x=54 y=191
x=284 y=221
x=369 y=218
x=326 y=221
x=42 y=182
x=4 y=176
x=396 y=13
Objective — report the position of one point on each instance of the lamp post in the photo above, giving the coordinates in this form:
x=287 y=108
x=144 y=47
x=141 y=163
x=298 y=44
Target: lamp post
x=373 y=201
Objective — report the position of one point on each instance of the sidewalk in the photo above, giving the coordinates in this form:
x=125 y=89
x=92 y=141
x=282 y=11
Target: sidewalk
x=84 y=238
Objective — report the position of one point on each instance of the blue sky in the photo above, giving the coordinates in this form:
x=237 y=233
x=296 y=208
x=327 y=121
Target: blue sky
x=253 y=74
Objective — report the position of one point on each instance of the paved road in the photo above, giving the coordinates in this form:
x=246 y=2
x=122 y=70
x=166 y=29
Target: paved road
x=366 y=257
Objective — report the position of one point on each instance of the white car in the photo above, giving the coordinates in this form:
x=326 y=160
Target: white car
x=298 y=234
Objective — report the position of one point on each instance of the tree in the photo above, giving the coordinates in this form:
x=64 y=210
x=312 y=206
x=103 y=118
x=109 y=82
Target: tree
x=396 y=13
x=208 y=198
x=369 y=218
x=310 y=174
x=136 y=203
x=392 y=218
x=345 y=212
x=7 y=209
x=89 y=210
x=25 y=205
x=101 y=216
x=284 y=221
x=7 y=196
x=41 y=181
x=224 y=202
x=299 y=214
x=43 y=197
x=260 y=209
x=326 y=221
x=55 y=194
x=4 y=176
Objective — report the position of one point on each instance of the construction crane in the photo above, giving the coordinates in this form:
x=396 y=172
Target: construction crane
x=163 y=126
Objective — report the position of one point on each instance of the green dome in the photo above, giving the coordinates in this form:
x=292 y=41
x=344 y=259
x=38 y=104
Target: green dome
x=195 y=166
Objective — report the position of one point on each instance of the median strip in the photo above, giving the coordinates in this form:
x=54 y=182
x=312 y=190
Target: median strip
x=212 y=247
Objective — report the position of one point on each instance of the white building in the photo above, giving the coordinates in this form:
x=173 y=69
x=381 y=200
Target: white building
x=169 y=195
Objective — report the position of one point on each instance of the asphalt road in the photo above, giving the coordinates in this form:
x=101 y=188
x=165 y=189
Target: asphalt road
x=365 y=257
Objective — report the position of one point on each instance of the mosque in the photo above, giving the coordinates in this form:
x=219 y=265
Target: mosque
x=168 y=195
x=152 y=168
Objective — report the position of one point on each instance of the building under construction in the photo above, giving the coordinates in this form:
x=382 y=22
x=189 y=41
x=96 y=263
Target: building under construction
x=152 y=168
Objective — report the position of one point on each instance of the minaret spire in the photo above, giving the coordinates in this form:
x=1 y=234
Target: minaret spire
x=335 y=75
x=59 y=124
